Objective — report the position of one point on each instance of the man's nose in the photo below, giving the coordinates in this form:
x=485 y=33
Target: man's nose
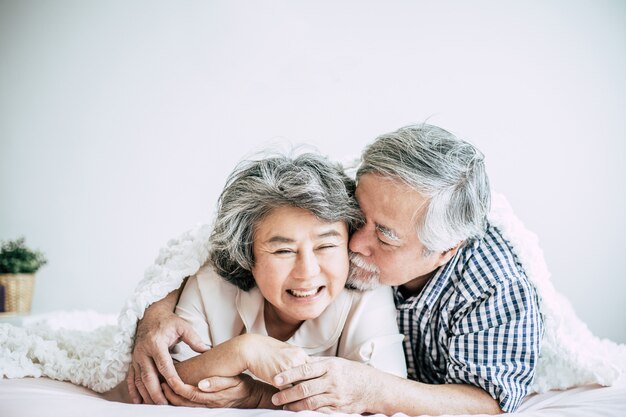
x=359 y=242
x=307 y=266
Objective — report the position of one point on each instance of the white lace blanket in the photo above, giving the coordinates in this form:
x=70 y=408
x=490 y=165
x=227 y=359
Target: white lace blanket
x=98 y=357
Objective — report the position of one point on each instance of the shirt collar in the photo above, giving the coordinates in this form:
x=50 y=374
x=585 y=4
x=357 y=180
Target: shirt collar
x=314 y=336
x=433 y=288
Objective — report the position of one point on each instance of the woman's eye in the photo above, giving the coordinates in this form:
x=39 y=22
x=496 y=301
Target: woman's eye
x=282 y=251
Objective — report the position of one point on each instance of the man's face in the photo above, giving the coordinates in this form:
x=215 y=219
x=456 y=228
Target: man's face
x=387 y=249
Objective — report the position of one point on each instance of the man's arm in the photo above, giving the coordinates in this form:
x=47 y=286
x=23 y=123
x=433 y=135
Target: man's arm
x=157 y=331
x=339 y=385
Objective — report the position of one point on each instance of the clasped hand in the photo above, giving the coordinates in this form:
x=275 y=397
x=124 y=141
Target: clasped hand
x=264 y=357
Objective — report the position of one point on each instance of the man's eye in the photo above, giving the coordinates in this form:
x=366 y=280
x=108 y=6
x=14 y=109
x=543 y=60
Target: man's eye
x=327 y=246
x=382 y=242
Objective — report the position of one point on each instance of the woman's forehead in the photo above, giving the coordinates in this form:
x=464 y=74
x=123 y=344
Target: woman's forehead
x=293 y=223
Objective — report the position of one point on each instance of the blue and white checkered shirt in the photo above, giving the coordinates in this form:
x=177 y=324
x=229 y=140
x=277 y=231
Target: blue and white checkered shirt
x=477 y=321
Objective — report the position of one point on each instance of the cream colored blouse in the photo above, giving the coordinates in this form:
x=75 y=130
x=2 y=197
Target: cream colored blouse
x=359 y=326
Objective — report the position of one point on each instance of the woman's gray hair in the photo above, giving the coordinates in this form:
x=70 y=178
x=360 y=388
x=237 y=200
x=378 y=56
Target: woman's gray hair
x=447 y=171
x=308 y=181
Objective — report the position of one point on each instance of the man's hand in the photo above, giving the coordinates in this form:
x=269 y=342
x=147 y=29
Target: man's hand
x=339 y=385
x=327 y=385
x=222 y=392
x=156 y=333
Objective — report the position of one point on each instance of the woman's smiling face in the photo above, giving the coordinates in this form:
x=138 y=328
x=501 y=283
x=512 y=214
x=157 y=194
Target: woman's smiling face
x=300 y=263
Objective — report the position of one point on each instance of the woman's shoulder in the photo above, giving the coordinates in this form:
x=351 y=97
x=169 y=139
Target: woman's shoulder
x=380 y=296
x=211 y=283
x=370 y=305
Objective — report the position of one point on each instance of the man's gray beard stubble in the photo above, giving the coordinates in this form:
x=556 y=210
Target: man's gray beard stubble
x=362 y=276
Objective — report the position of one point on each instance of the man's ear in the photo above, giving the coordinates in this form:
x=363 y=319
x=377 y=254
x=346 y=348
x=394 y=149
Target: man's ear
x=446 y=255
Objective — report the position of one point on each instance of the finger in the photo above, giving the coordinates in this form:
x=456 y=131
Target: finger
x=193 y=397
x=299 y=392
x=311 y=403
x=141 y=388
x=300 y=373
x=218 y=383
x=165 y=367
x=327 y=410
x=150 y=379
x=176 y=399
x=130 y=384
x=189 y=336
x=189 y=392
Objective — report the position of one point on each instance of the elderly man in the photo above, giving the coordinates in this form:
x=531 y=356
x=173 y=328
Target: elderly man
x=469 y=314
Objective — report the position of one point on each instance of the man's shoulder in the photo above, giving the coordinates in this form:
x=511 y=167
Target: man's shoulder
x=487 y=263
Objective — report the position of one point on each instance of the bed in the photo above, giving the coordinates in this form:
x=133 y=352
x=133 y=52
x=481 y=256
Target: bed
x=40 y=397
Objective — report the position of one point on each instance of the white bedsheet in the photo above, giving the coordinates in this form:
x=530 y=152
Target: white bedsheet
x=41 y=397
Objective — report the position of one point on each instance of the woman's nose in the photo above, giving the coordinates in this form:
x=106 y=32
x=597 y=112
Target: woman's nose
x=307 y=266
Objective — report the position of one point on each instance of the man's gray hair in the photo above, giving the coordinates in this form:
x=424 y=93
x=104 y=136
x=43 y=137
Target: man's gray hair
x=308 y=181
x=447 y=171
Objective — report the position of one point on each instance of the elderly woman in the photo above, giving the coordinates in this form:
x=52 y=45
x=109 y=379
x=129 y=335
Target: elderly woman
x=273 y=292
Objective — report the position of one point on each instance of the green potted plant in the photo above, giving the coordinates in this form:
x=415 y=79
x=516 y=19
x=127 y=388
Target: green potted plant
x=18 y=265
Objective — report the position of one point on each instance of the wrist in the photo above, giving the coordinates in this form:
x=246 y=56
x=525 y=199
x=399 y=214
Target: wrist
x=386 y=391
x=241 y=346
x=244 y=345
x=375 y=393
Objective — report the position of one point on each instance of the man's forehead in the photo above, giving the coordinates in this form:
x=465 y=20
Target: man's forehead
x=389 y=203
x=379 y=189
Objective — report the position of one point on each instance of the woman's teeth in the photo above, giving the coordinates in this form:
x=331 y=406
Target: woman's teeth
x=299 y=293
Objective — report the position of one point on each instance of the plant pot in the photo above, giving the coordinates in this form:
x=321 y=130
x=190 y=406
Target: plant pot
x=18 y=293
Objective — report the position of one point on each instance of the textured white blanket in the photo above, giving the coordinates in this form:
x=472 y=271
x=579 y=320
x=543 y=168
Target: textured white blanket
x=97 y=356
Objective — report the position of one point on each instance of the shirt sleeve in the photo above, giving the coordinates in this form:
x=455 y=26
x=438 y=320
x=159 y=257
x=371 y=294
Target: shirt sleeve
x=190 y=307
x=371 y=334
x=495 y=342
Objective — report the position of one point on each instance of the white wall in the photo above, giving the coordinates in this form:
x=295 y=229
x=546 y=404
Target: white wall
x=119 y=120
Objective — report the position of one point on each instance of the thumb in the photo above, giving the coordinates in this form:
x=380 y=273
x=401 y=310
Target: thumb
x=189 y=336
x=218 y=383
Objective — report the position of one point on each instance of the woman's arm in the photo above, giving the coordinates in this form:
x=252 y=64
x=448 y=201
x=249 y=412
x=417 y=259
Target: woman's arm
x=263 y=356
x=225 y=359
x=226 y=392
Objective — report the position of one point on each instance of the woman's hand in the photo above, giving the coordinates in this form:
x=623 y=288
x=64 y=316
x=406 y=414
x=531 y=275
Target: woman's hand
x=224 y=392
x=265 y=357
